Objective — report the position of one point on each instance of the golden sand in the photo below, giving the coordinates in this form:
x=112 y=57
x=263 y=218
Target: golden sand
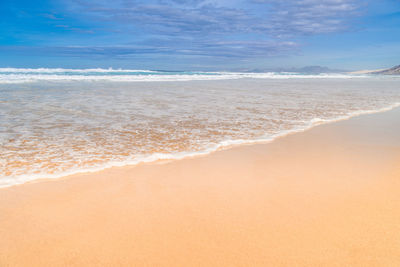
x=327 y=197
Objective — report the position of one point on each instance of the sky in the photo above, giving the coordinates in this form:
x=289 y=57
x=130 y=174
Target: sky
x=200 y=34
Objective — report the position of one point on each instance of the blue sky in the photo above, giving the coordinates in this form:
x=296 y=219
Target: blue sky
x=200 y=34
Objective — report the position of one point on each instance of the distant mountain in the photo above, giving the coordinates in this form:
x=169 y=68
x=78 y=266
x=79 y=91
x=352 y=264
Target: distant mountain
x=391 y=71
x=365 y=71
x=317 y=70
x=304 y=70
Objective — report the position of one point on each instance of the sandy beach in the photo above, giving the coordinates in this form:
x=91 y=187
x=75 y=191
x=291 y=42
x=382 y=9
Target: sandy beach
x=329 y=196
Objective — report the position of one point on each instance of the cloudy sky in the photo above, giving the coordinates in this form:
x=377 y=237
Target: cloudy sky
x=200 y=34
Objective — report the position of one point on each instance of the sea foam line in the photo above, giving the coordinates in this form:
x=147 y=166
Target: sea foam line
x=13 y=181
x=61 y=70
x=15 y=75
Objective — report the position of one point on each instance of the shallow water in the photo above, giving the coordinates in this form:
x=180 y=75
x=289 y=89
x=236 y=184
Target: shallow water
x=53 y=127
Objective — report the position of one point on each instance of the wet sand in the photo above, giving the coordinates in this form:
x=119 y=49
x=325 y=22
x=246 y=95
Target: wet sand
x=327 y=197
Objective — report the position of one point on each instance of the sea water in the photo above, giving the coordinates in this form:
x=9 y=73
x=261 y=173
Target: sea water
x=56 y=122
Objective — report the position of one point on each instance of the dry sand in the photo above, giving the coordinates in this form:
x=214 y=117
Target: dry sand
x=327 y=197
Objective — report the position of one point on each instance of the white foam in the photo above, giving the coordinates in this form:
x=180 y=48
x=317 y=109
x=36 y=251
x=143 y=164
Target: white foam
x=21 y=75
x=12 y=181
x=61 y=70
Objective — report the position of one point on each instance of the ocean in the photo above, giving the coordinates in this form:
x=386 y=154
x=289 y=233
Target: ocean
x=57 y=122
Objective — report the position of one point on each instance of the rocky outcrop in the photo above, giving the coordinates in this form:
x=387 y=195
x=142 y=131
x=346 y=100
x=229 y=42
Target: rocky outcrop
x=392 y=71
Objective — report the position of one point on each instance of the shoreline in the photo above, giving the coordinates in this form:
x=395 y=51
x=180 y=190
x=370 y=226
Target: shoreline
x=158 y=158
x=329 y=196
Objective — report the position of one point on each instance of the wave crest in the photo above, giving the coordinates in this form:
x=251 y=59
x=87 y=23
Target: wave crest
x=28 y=75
